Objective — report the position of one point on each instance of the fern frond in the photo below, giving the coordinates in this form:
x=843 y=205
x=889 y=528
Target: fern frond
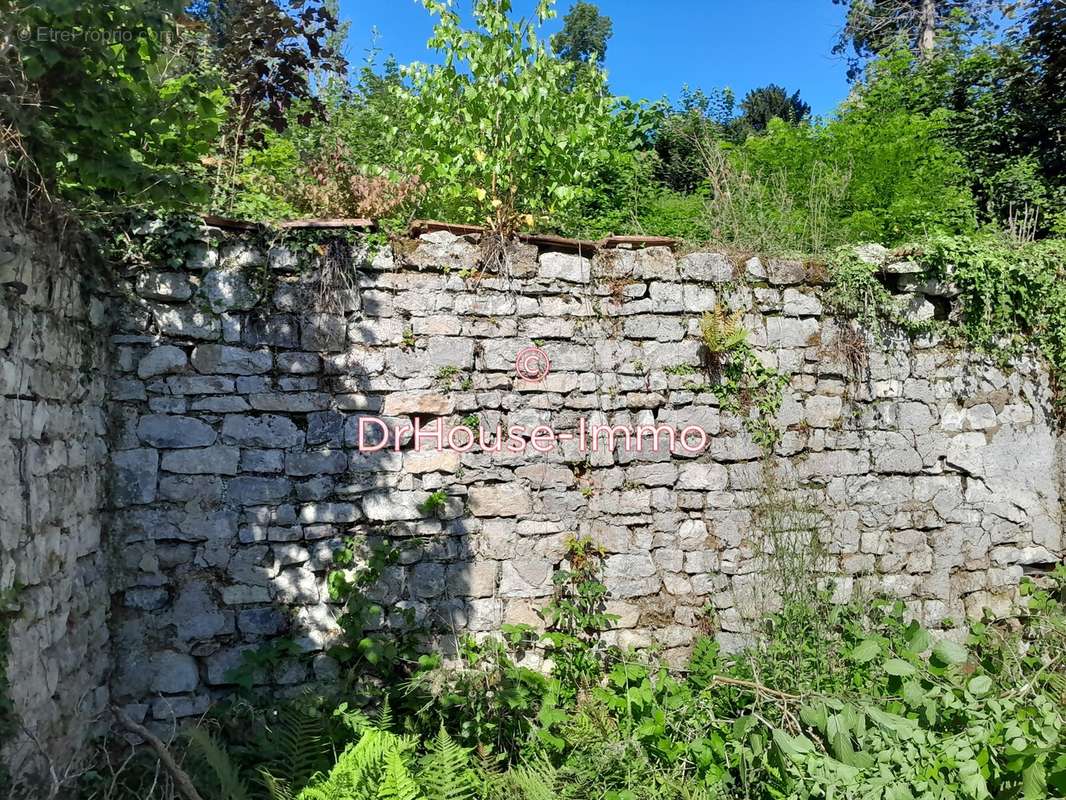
x=277 y=788
x=445 y=772
x=224 y=771
x=397 y=783
x=722 y=331
x=385 y=720
x=302 y=743
x=534 y=781
x=358 y=772
x=354 y=720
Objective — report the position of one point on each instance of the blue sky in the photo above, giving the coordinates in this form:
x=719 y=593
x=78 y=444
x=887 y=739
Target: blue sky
x=658 y=45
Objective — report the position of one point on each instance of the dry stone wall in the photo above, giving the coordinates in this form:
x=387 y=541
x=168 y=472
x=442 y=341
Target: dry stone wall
x=237 y=399
x=53 y=459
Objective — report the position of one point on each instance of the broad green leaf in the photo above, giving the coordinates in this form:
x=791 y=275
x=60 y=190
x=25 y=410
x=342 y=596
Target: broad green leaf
x=867 y=650
x=949 y=652
x=899 y=667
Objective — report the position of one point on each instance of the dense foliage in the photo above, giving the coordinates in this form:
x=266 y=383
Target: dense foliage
x=828 y=701
x=94 y=109
x=244 y=110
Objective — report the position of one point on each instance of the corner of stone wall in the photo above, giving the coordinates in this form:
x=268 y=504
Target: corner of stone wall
x=53 y=456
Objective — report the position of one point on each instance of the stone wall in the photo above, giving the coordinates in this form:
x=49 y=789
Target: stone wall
x=237 y=406
x=53 y=456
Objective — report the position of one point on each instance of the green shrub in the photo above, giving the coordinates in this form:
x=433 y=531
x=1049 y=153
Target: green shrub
x=104 y=110
x=503 y=132
x=863 y=176
x=861 y=704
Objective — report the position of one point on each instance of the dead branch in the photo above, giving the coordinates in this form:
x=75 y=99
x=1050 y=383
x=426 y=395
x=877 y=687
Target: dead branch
x=181 y=777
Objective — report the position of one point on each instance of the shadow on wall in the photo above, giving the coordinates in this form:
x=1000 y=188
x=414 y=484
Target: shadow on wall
x=239 y=484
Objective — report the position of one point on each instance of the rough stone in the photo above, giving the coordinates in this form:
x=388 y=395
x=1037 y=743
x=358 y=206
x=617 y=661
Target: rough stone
x=316 y=462
x=252 y=490
x=821 y=411
x=162 y=360
x=174 y=672
x=419 y=462
x=783 y=273
x=215 y=460
x=268 y=430
x=801 y=304
x=711 y=267
x=163 y=286
x=186 y=322
x=228 y=289
x=565 y=267
x=426 y=403
x=261 y=621
x=322 y=332
x=134 y=479
x=171 y=431
x=526 y=578
x=393 y=505
x=213 y=358
x=500 y=500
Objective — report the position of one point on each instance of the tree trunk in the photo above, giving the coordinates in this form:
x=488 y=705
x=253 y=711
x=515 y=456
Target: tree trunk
x=927 y=28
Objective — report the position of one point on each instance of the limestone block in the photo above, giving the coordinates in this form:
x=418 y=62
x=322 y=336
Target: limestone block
x=186 y=322
x=173 y=672
x=162 y=360
x=173 y=431
x=267 y=430
x=134 y=476
x=156 y=285
x=711 y=267
x=228 y=288
x=565 y=267
x=322 y=332
x=420 y=403
x=215 y=460
x=499 y=500
x=229 y=360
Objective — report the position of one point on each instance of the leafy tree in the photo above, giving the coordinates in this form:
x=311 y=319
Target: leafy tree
x=275 y=56
x=1045 y=47
x=873 y=173
x=268 y=53
x=502 y=131
x=584 y=35
x=1005 y=112
x=763 y=104
x=95 y=106
x=681 y=138
x=873 y=27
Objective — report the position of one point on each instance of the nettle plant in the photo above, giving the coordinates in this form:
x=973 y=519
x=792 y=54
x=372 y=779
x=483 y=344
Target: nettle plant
x=503 y=132
x=576 y=616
